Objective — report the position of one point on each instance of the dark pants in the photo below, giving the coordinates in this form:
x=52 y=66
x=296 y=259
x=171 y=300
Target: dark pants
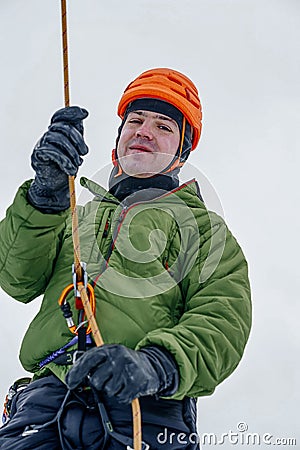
x=46 y=416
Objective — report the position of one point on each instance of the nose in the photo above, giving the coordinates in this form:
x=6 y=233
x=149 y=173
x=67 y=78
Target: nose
x=144 y=130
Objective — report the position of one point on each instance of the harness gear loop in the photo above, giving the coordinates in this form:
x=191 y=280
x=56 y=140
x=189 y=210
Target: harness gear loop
x=136 y=412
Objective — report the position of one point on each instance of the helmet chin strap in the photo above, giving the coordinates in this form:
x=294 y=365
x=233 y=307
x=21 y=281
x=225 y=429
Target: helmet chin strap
x=176 y=162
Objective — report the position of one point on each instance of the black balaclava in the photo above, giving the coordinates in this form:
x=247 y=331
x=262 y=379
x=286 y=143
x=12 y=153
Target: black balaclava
x=122 y=185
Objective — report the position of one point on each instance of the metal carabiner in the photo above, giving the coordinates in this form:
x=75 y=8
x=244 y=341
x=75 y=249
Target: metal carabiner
x=84 y=277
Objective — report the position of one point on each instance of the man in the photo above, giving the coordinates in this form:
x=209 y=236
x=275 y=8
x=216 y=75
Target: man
x=170 y=281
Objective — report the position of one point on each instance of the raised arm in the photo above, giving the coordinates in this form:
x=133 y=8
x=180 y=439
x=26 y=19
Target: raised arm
x=31 y=233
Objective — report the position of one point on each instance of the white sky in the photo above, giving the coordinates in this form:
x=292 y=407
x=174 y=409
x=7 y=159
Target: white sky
x=244 y=57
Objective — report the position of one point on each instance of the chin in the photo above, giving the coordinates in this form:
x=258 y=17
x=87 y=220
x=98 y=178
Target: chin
x=136 y=170
x=143 y=175
x=138 y=173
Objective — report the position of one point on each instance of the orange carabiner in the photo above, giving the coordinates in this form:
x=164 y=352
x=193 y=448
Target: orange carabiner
x=65 y=306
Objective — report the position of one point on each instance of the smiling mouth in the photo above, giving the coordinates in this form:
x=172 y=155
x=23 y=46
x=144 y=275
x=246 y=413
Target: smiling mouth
x=140 y=149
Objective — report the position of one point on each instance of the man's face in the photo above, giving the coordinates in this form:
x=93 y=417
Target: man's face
x=147 y=144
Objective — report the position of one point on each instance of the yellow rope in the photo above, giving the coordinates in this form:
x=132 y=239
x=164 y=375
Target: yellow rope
x=136 y=412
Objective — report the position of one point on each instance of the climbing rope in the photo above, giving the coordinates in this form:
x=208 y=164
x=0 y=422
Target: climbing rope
x=81 y=286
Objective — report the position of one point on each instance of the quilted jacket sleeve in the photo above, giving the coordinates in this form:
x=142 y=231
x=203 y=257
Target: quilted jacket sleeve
x=209 y=339
x=29 y=244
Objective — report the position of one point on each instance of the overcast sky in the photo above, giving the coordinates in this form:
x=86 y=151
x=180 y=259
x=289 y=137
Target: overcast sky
x=244 y=57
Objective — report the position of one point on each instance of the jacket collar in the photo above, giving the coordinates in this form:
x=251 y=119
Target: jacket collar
x=190 y=187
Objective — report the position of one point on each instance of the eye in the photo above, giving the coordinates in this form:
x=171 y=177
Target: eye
x=135 y=120
x=165 y=128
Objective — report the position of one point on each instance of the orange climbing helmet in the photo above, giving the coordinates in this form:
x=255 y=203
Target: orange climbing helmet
x=170 y=86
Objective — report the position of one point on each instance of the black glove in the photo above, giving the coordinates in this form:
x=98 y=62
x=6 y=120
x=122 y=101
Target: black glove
x=55 y=156
x=125 y=374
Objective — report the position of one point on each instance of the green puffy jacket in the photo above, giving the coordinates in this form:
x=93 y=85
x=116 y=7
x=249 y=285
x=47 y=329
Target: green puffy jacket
x=166 y=272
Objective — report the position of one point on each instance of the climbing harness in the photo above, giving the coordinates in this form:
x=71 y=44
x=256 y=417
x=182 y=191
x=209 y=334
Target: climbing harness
x=77 y=398
x=14 y=389
x=109 y=430
x=84 y=291
x=62 y=356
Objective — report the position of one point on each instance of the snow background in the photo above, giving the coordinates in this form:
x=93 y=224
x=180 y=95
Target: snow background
x=243 y=55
